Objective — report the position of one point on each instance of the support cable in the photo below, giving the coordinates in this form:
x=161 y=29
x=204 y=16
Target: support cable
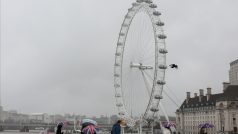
x=178 y=100
x=146 y=82
x=171 y=98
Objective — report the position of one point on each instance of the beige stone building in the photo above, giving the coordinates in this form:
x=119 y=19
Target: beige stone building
x=219 y=110
x=227 y=110
x=233 y=73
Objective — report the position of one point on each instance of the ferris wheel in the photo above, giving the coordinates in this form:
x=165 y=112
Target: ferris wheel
x=140 y=63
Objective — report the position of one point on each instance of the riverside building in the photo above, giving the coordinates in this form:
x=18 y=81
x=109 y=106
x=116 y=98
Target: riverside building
x=219 y=110
x=233 y=73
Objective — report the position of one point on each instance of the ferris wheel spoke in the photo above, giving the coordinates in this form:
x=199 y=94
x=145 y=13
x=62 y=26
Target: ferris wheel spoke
x=136 y=36
x=164 y=111
x=147 y=55
x=149 y=47
x=129 y=93
x=147 y=51
x=147 y=33
x=142 y=27
x=149 y=75
x=150 y=58
x=147 y=83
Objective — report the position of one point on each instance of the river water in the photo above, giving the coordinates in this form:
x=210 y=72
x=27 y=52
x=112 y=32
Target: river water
x=33 y=132
x=17 y=132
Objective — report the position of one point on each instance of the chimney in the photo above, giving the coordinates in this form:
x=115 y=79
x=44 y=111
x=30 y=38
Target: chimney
x=188 y=96
x=209 y=92
x=225 y=85
x=195 y=95
x=201 y=94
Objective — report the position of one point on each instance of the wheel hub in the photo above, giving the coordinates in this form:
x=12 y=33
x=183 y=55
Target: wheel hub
x=140 y=66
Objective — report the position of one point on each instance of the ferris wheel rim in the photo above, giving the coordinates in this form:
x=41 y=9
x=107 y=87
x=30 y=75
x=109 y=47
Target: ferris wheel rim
x=151 y=12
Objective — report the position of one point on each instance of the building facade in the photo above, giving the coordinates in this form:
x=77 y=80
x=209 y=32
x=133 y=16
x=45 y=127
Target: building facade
x=227 y=110
x=14 y=117
x=218 y=110
x=1 y=109
x=233 y=73
x=40 y=118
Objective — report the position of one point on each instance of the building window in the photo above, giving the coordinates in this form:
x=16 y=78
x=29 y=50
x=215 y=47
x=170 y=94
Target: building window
x=237 y=76
x=234 y=121
x=235 y=129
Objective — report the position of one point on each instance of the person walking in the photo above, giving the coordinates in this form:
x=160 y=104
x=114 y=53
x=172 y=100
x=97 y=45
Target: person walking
x=89 y=126
x=116 y=128
x=59 y=128
x=90 y=129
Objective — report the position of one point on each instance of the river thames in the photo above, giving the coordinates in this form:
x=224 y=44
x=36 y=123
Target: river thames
x=17 y=132
x=37 y=132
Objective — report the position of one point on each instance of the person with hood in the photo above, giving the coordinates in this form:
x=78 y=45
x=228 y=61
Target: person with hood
x=89 y=126
x=116 y=128
x=59 y=128
x=90 y=129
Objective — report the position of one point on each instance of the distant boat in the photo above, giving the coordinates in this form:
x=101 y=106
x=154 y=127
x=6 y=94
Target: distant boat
x=39 y=128
x=47 y=131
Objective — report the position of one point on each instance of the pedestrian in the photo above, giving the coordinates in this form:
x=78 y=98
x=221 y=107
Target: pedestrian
x=90 y=129
x=202 y=131
x=116 y=128
x=89 y=126
x=59 y=128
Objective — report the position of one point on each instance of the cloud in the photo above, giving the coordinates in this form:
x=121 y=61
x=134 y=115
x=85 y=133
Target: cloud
x=58 y=56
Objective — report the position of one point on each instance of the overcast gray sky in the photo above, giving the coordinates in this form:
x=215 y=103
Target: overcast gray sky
x=58 y=55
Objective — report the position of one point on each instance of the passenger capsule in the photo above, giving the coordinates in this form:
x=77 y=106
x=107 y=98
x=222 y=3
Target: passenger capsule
x=160 y=82
x=116 y=85
x=148 y=1
x=127 y=16
x=156 y=13
x=118 y=54
x=122 y=34
x=121 y=113
x=153 y=6
x=160 y=23
x=150 y=119
x=119 y=105
x=158 y=96
x=118 y=95
x=119 y=44
x=154 y=109
x=125 y=25
x=117 y=64
x=116 y=75
x=135 y=4
x=163 y=51
x=131 y=9
x=162 y=67
x=162 y=36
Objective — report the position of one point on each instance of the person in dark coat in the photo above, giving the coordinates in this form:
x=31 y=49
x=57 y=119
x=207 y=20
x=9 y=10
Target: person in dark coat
x=116 y=129
x=59 y=128
x=202 y=131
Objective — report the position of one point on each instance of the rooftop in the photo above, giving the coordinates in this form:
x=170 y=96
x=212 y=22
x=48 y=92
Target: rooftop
x=234 y=62
x=230 y=94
